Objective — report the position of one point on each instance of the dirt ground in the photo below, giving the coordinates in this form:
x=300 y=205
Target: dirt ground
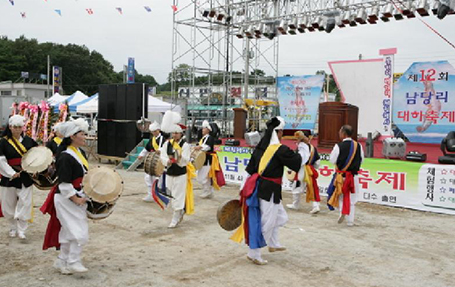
x=133 y=247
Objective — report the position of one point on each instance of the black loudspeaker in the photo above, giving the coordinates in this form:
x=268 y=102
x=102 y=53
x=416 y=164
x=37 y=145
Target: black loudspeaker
x=106 y=101
x=135 y=104
x=122 y=101
x=102 y=137
x=232 y=142
x=117 y=138
x=120 y=106
x=416 y=156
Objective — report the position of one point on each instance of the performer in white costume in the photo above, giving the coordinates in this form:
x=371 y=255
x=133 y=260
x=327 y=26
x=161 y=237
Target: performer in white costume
x=16 y=186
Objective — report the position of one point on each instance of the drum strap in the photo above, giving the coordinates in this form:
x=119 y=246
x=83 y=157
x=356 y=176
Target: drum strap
x=57 y=140
x=80 y=156
x=155 y=144
x=17 y=145
x=268 y=155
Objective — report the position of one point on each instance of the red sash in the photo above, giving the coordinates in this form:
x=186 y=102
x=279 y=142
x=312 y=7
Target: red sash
x=348 y=188
x=314 y=178
x=15 y=161
x=54 y=226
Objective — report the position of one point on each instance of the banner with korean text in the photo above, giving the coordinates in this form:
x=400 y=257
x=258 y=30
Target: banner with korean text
x=424 y=101
x=299 y=100
x=427 y=187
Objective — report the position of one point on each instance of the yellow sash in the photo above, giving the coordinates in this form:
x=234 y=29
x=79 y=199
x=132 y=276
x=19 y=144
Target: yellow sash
x=239 y=234
x=339 y=180
x=175 y=145
x=155 y=144
x=15 y=143
x=57 y=140
x=189 y=198
x=190 y=174
x=214 y=167
x=202 y=140
x=80 y=156
x=309 y=183
x=268 y=154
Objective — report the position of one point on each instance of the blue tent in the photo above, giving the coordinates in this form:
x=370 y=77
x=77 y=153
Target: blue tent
x=73 y=99
x=73 y=108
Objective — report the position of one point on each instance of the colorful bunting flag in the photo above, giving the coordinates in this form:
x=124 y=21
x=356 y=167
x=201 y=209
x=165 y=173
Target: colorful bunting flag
x=58 y=11
x=147 y=8
x=174 y=7
x=89 y=11
x=119 y=10
x=12 y=2
x=23 y=15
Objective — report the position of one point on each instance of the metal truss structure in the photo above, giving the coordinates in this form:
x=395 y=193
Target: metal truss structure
x=224 y=43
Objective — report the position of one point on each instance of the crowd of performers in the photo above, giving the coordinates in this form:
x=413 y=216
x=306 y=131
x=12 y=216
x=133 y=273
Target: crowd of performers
x=260 y=193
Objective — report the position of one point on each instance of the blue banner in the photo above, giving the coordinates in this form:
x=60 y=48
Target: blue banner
x=57 y=79
x=130 y=73
x=424 y=101
x=299 y=100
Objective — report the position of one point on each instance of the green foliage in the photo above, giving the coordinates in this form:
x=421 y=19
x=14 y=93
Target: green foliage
x=82 y=69
x=333 y=89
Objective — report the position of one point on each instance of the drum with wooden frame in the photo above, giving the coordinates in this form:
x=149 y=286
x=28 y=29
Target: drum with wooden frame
x=197 y=158
x=229 y=215
x=103 y=186
x=39 y=163
x=153 y=165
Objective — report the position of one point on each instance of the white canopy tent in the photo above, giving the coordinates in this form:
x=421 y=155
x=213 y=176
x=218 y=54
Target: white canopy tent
x=158 y=106
x=57 y=99
x=154 y=106
x=77 y=97
x=88 y=107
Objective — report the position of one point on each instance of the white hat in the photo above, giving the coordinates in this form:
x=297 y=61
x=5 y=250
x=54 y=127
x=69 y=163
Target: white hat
x=68 y=129
x=281 y=125
x=205 y=124
x=274 y=139
x=170 y=122
x=82 y=124
x=155 y=126
x=17 y=121
x=56 y=127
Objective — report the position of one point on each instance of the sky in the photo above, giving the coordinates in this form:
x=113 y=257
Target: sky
x=147 y=36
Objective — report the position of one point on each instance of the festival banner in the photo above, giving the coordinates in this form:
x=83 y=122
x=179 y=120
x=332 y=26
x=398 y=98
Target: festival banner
x=427 y=187
x=57 y=79
x=424 y=101
x=299 y=100
x=130 y=72
x=387 y=94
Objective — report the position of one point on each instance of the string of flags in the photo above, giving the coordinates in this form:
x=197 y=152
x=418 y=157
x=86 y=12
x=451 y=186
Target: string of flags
x=91 y=12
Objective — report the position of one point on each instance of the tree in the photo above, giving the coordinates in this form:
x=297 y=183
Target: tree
x=333 y=88
x=82 y=69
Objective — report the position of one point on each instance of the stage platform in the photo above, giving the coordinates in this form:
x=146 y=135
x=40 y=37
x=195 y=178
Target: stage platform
x=433 y=151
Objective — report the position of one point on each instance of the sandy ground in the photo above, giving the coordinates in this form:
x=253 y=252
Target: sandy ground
x=133 y=247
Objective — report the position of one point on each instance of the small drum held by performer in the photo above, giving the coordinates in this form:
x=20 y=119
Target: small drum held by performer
x=67 y=202
x=154 y=169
